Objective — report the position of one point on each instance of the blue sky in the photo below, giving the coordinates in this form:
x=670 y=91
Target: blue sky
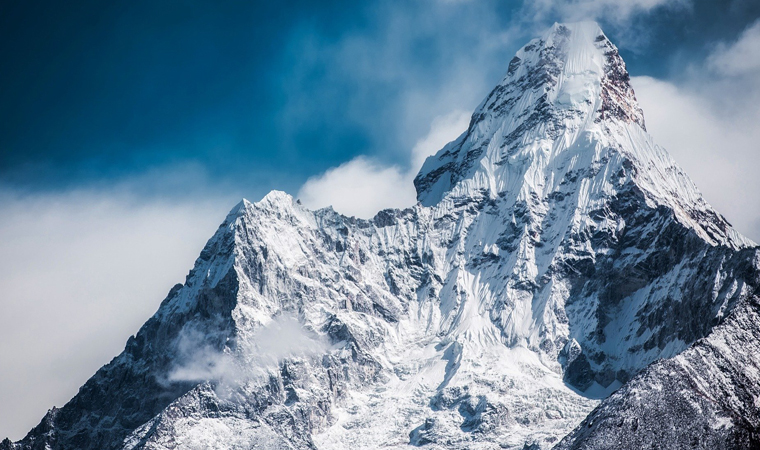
x=262 y=95
x=129 y=129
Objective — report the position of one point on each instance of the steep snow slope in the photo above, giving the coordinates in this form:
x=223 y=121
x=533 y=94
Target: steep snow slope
x=555 y=252
x=586 y=207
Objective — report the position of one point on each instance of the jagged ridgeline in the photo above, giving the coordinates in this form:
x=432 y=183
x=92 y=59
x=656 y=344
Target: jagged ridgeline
x=556 y=252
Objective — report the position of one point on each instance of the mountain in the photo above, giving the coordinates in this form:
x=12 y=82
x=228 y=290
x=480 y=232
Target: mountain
x=704 y=398
x=555 y=252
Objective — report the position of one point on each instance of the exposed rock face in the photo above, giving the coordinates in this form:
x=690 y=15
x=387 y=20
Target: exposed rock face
x=556 y=251
x=704 y=398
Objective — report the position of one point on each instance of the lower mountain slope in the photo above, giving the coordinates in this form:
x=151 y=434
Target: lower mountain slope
x=394 y=341
x=704 y=398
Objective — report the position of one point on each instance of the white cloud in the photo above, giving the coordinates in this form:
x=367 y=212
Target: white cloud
x=198 y=361
x=741 y=57
x=415 y=62
x=720 y=152
x=620 y=18
x=362 y=187
x=253 y=359
x=443 y=130
x=707 y=120
x=80 y=272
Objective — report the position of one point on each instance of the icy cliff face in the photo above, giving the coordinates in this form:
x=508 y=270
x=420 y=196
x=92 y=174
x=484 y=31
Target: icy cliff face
x=556 y=251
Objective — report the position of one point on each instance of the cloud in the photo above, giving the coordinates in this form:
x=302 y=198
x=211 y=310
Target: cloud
x=252 y=358
x=197 y=360
x=443 y=130
x=631 y=22
x=282 y=338
x=362 y=187
x=708 y=121
x=741 y=57
x=80 y=271
x=382 y=83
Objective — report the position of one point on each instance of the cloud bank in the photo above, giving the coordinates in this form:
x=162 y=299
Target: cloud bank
x=739 y=58
x=81 y=271
x=708 y=122
x=362 y=186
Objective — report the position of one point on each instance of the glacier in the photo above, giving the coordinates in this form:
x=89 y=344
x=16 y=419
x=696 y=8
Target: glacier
x=556 y=253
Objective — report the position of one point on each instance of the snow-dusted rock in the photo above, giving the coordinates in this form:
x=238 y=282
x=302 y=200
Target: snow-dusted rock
x=704 y=398
x=556 y=251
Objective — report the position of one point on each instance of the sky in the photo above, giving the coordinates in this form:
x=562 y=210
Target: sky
x=129 y=129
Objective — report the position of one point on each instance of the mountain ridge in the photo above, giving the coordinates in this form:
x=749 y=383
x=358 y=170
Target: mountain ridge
x=700 y=399
x=556 y=251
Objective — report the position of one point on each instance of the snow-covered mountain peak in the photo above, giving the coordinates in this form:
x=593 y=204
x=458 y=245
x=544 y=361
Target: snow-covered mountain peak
x=277 y=197
x=567 y=87
x=593 y=70
x=239 y=210
x=275 y=201
x=556 y=251
x=565 y=108
x=576 y=68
